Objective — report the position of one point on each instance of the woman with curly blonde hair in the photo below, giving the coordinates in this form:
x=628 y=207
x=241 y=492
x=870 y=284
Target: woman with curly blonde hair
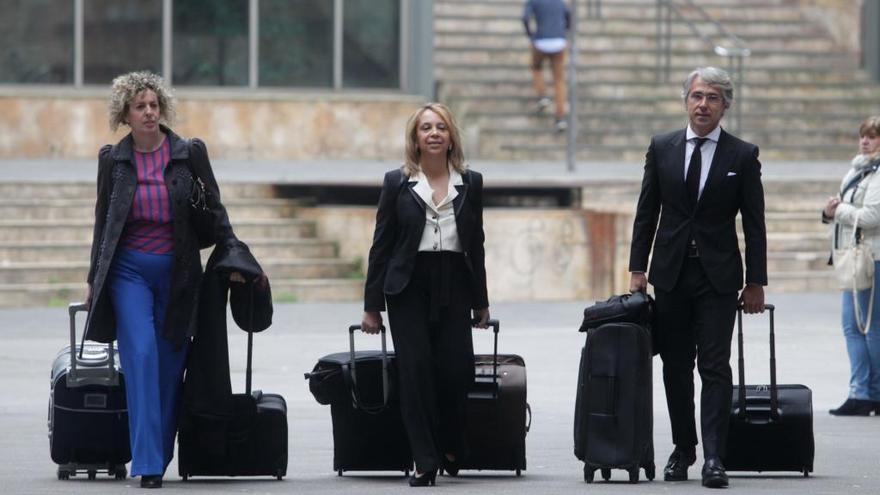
x=145 y=268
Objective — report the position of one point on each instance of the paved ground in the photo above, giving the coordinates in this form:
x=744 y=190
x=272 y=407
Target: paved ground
x=810 y=351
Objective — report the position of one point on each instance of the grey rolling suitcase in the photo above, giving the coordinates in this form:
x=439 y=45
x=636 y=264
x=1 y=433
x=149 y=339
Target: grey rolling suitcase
x=88 y=416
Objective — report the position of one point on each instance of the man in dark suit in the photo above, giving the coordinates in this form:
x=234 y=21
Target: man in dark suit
x=695 y=181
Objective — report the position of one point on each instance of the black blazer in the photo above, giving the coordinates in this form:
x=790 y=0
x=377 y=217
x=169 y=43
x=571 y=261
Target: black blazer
x=400 y=221
x=733 y=185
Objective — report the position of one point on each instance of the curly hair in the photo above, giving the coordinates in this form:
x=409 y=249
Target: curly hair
x=127 y=86
x=454 y=156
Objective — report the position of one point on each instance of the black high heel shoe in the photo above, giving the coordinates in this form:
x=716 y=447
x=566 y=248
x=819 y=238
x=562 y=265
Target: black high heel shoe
x=854 y=407
x=151 y=481
x=425 y=479
x=450 y=466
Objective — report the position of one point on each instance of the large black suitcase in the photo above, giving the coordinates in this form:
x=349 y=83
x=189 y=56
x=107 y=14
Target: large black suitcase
x=771 y=426
x=613 y=426
x=88 y=415
x=498 y=415
x=368 y=431
x=254 y=440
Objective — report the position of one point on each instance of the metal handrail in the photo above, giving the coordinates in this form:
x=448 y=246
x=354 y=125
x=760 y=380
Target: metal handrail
x=735 y=52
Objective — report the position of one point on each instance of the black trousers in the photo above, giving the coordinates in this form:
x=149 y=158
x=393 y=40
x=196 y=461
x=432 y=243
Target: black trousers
x=697 y=322
x=431 y=329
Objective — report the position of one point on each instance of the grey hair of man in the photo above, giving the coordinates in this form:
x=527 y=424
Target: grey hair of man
x=715 y=77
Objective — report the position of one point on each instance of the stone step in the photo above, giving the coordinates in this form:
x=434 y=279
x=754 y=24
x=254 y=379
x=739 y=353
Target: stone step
x=646 y=73
x=458 y=39
x=53 y=190
x=789 y=58
x=525 y=152
x=77 y=230
x=64 y=251
x=611 y=10
x=84 y=209
x=637 y=24
x=797 y=262
x=70 y=272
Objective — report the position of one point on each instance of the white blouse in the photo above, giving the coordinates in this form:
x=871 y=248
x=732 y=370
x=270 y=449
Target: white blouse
x=440 y=232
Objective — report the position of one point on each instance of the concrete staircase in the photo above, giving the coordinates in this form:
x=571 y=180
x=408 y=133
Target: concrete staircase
x=46 y=233
x=803 y=97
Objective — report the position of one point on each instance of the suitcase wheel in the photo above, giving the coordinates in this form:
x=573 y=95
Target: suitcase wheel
x=650 y=472
x=634 y=475
x=519 y=472
x=92 y=474
x=406 y=473
x=589 y=473
x=279 y=475
x=119 y=472
x=184 y=476
x=606 y=474
x=806 y=473
x=338 y=472
x=63 y=474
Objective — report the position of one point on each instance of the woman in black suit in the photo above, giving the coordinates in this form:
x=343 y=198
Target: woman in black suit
x=428 y=264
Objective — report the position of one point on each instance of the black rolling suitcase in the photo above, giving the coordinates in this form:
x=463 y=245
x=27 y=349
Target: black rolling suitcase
x=613 y=426
x=359 y=386
x=771 y=426
x=255 y=440
x=498 y=416
x=88 y=416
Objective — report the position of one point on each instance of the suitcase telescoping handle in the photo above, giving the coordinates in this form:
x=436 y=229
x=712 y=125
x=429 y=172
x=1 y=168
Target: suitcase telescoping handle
x=774 y=394
x=496 y=326
x=73 y=377
x=353 y=372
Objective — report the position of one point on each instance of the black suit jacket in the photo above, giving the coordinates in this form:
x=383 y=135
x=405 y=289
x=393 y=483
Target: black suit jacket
x=733 y=185
x=400 y=221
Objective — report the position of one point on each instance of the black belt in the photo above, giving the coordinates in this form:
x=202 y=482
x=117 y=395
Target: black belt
x=691 y=251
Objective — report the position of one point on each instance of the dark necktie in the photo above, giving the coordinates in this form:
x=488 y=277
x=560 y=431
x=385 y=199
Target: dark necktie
x=692 y=179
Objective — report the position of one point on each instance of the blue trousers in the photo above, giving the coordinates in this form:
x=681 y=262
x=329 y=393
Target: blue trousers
x=863 y=349
x=140 y=284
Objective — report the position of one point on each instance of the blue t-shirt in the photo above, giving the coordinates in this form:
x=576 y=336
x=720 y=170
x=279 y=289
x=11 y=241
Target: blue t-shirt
x=551 y=19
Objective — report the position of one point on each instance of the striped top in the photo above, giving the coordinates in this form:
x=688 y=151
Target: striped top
x=148 y=228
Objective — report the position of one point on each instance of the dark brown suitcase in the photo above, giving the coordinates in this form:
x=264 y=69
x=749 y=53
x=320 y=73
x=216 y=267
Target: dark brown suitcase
x=771 y=426
x=498 y=415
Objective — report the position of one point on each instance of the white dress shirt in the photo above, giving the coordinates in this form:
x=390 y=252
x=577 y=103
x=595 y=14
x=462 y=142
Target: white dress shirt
x=440 y=232
x=707 y=151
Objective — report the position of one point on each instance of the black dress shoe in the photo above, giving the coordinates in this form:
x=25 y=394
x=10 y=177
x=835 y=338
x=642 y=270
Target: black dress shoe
x=151 y=481
x=714 y=475
x=854 y=407
x=677 y=467
x=424 y=479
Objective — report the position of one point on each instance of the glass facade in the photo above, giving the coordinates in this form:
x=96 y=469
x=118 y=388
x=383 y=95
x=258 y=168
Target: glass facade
x=36 y=41
x=329 y=44
x=371 y=43
x=121 y=36
x=296 y=43
x=210 y=46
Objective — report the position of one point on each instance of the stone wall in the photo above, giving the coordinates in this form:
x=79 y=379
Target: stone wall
x=531 y=254
x=840 y=17
x=73 y=124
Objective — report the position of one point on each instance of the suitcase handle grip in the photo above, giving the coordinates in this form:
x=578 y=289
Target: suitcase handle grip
x=496 y=326
x=73 y=377
x=774 y=393
x=355 y=399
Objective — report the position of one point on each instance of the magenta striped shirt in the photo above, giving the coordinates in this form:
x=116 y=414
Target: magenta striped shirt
x=148 y=228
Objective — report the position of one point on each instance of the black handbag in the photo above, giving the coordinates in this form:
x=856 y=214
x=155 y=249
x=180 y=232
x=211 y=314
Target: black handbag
x=201 y=214
x=637 y=308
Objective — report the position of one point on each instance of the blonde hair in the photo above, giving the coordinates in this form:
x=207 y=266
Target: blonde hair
x=127 y=86
x=454 y=156
x=871 y=125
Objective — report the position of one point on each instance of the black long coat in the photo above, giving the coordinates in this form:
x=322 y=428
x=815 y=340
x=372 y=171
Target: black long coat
x=117 y=181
